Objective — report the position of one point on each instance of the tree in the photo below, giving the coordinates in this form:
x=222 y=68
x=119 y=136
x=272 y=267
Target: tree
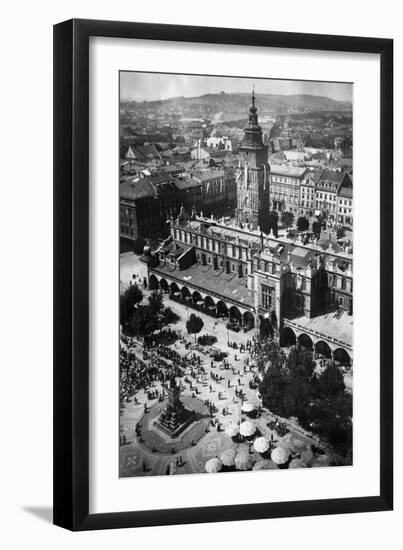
x=330 y=383
x=341 y=232
x=138 y=245
x=143 y=322
x=194 y=325
x=300 y=377
x=128 y=301
x=287 y=218
x=273 y=388
x=272 y=222
x=133 y=296
x=302 y=223
x=270 y=354
x=316 y=228
x=124 y=312
x=156 y=302
x=332 y=420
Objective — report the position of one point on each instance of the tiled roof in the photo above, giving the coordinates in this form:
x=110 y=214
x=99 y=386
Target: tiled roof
x=140 y=189
x=204 y=175
x=186 y=183
x=286 y=170
x=346 y=192
x=336 y=326
x=228 y=285
x=148 y=150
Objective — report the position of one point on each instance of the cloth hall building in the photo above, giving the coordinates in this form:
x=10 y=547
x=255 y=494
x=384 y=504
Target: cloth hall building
x=292 y=290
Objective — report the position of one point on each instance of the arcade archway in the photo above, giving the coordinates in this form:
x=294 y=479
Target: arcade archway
x=222 y=310
x=305 y=341
x=248 y=320
x=289 y=338
x=323 y=348
x=209 y=305
x=341 y=356
x=164 y=286
x=235 y=315
x=185 y=294
x=153 y=282
x=175 y=292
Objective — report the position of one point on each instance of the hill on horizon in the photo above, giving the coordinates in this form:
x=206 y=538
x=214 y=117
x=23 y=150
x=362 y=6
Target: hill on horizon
x=241 y=101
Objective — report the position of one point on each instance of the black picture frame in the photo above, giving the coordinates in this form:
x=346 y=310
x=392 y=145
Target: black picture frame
x=71 y=274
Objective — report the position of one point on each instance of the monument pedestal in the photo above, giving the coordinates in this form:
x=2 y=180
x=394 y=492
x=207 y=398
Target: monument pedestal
x=175 y=418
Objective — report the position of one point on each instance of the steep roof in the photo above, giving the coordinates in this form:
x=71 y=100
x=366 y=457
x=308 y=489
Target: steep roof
x=140 y=189
x=346 y=192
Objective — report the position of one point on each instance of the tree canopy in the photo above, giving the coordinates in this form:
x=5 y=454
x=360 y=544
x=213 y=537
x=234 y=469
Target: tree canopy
x=316 y=228
x=144 y=322
x=128 y=302
x=194 y=324
x=291 y=387
x=287 y=218
x=302 y=223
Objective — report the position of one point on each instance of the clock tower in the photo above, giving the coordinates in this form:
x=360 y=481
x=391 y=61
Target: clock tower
x=253 y=181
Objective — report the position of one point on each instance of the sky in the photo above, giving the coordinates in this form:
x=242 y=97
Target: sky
x=151 y=86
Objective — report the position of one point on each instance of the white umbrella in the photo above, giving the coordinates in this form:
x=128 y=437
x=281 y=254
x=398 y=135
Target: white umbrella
x=294 y=442
x=321 y=461
x=232 y=430
x=248 y=407
x=261 y=444
x=297 y=463
x=213 y=465
x=280 y=455
x=243 y=460
x=265 y=465
x=307 y=455
x=247 y=428
x=227 y=457
x=297 y=444
x=242 y=449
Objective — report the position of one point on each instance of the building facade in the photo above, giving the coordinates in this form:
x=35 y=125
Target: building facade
x=344 y=205
x=146 y=203
x=327 y=187
x=285 y=187
x=307 y=195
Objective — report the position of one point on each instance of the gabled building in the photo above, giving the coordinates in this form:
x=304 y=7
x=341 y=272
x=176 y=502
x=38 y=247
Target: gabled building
x=344 y=207
x=145 y=205
x=327 y=184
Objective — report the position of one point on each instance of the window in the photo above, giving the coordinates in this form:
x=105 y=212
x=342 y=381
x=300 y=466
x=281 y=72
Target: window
x=267 y=297
x=299 y=301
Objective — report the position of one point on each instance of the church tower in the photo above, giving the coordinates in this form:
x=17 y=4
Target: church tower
x=253 y=182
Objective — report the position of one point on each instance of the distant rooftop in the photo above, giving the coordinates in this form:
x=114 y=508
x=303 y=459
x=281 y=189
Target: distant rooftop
x=287 y=170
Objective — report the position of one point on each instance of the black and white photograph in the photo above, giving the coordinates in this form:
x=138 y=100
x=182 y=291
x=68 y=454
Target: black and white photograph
x=236 y=274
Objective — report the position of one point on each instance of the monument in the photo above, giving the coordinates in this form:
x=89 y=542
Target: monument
x=175 y=417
